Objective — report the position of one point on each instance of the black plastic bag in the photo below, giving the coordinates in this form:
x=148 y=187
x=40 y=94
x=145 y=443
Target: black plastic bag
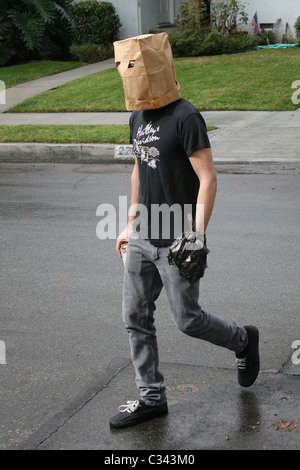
x=189 y=253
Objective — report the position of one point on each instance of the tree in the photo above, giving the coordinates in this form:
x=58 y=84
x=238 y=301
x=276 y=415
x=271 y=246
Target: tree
x=34 y=29
x=226 y=14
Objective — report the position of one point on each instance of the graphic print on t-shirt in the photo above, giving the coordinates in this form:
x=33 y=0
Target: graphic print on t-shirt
x=145 y=135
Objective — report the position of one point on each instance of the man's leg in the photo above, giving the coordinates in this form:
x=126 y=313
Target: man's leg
x=142 y=286
x=192 y=320
x=188 y=314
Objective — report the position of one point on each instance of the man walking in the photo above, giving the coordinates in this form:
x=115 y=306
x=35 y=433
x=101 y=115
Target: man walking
x=173 y=167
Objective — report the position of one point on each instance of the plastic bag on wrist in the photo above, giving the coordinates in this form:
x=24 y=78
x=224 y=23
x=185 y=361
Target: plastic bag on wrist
x=189 y=253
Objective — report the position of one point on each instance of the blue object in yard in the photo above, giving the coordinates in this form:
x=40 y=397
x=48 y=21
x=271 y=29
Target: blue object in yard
x=275 y=46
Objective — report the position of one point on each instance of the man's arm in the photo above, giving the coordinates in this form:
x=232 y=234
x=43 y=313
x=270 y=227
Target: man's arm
x=203 y=165
x=124 y=236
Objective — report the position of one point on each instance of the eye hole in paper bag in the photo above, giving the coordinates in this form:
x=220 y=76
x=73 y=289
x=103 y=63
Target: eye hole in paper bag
x=131 y=64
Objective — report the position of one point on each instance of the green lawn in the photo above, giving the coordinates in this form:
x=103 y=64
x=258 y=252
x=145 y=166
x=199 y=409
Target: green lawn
x=106 y=134
x=257 y=80
x=16 y=74
x=116 y=134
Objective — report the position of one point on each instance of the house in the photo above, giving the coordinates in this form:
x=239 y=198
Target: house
x=141 y=16
x=277 y=15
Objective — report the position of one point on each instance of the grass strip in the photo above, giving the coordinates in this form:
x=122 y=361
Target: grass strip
x=105 y=134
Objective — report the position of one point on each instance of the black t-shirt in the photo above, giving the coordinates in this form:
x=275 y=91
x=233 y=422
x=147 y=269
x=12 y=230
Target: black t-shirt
x=163 y=139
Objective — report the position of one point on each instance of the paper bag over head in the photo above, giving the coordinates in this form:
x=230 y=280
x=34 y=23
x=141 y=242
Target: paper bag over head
x=146 y=66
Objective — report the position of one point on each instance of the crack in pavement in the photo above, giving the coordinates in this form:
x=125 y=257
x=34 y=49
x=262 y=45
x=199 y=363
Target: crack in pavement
x=56 y=422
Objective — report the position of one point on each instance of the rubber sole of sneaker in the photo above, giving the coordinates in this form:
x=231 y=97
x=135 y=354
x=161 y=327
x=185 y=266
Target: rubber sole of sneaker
x=124 y=421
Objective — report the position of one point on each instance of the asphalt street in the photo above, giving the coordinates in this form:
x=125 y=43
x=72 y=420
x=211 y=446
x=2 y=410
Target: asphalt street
x=67 y=361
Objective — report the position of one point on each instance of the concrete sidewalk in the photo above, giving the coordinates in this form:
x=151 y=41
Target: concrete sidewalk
x=22 y=92
x=241 y=137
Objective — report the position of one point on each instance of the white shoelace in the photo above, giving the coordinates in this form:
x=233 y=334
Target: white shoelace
x=130 y=407
x=241 y=363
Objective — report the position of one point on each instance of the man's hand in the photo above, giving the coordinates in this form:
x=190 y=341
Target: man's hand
x=123 y=237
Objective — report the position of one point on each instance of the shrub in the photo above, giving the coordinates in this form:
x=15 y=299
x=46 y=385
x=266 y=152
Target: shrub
x=240 y=41
x=186 y=42
x=91 y=53
x=195 y=43
x=94 y=22
x=197 y=36
x=297 y=27
x=265 y=37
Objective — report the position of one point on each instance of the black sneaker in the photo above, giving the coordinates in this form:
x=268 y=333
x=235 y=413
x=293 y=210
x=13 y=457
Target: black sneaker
x=248 y=360
x=135 y=412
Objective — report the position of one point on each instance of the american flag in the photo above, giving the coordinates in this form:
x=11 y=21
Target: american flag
x=254 y=24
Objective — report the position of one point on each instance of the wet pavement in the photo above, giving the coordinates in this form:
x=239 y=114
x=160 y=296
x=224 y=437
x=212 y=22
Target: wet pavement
x=207 y=410
x=68 y=364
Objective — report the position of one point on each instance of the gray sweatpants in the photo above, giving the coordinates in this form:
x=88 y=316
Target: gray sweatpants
x=146 y=272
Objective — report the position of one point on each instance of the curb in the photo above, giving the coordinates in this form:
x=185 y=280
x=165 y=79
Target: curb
x=105 y=153
x=64 y=153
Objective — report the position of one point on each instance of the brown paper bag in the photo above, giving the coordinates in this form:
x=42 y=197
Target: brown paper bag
x=146 y=66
